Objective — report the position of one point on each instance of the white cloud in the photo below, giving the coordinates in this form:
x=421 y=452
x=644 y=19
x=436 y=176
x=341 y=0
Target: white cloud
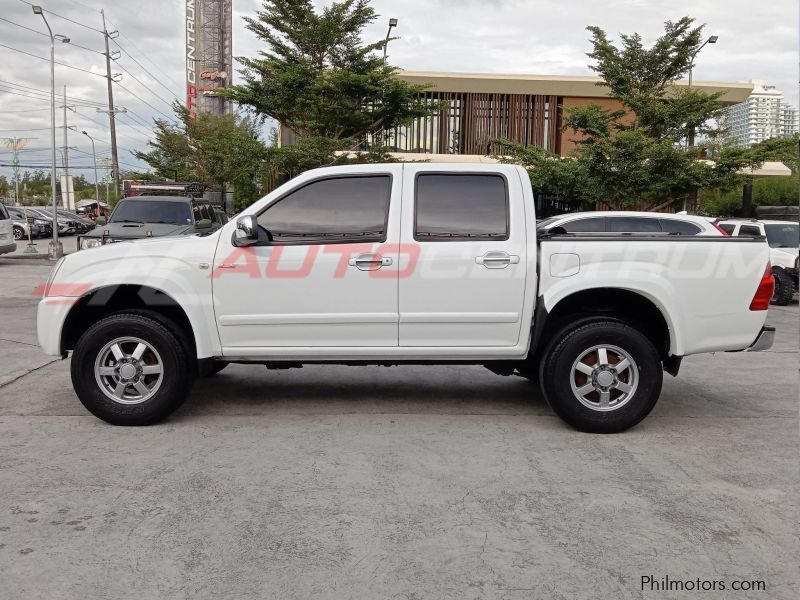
x=501 y=36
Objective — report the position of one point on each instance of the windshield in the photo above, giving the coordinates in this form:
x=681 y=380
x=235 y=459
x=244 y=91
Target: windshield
x=152 y=211
x=783 y=236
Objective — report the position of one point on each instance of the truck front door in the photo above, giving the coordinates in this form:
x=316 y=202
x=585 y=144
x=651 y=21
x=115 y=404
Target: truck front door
x=328 y=278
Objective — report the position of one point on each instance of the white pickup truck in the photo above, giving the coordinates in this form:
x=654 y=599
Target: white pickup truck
x=404 y=264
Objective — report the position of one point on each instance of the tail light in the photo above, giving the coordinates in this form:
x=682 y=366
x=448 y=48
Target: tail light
x=764 y=292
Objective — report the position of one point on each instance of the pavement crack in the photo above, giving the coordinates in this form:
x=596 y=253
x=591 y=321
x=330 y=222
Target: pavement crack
x=26 y=373
x=18 y=342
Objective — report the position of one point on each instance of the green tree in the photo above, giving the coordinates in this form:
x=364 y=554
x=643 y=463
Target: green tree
x=638 y=157
x=210 y=149
x=6 y=189
x=316 y=77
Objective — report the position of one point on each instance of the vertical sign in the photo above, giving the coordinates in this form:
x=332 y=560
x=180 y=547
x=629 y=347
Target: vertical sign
x=191 y=58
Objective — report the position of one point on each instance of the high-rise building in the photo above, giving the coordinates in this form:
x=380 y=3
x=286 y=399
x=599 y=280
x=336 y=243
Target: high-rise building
x=764 y=115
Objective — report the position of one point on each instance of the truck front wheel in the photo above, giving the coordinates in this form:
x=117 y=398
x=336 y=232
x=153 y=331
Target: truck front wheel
x=601 y=377
x=128 y=369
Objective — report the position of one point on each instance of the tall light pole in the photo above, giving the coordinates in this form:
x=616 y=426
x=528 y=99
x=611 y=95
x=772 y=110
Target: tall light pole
x=711 y=40
x=392 y=24
x=96 y=181
x=55 y=249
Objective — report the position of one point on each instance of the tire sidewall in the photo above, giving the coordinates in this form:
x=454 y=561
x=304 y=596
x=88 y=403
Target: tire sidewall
x=569 y=344
x=174 y=386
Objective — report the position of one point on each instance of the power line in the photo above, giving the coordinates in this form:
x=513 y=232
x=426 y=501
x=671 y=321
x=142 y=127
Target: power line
x=36 y=31
x=143 y=84
x=145 y=69
x=50 y=12
x=47 y=93
x=147 y=58
x=145 y=102
x=69 y=66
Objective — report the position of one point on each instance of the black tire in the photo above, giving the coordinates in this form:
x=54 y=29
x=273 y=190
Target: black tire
x=19 y=233
x=784 y=288
x=178 y=374
x=556 y=375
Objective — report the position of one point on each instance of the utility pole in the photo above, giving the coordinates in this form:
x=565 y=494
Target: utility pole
x=111 y=112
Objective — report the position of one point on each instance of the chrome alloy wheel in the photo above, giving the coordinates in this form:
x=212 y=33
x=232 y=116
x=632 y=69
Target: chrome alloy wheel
x=128 y=370
x=604 y=378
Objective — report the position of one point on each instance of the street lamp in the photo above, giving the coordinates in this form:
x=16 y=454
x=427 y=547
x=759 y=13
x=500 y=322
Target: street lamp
x=711 y=40
x=55 y=249
x=96 y=181
x=392 y=24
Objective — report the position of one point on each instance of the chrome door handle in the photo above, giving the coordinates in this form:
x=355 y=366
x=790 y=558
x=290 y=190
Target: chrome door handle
x=497 y=260
x=369 y=261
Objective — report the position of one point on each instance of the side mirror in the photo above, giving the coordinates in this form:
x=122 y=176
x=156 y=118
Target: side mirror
x=101 y=220
x=246 y=233
x=203 y=224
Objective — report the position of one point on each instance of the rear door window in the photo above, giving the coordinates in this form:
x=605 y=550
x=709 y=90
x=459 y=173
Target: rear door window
x=461 y=207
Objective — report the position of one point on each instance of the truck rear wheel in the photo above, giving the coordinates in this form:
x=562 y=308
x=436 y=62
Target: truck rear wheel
x=129 y=369
x=602 y=377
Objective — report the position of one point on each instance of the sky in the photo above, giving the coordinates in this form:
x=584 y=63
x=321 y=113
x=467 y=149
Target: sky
x=757 y=41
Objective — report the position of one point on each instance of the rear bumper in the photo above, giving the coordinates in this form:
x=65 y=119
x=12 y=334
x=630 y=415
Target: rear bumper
x=764 y=340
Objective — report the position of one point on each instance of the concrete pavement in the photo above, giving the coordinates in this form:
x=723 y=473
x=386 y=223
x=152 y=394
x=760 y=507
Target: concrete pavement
x=406 y=482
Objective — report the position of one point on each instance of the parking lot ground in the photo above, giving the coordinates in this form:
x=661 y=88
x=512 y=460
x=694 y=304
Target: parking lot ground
x=406 y=482
x=68 y=243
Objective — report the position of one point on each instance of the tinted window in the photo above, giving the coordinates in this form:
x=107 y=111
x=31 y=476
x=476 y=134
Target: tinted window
x=727 y=228
x=152 y=211
x=633 y=224
x=783 y=236
x=3 y=213
x=348 y=208
x=749 y=231
x=593 y=224
x=677 y=227
x=461 y=207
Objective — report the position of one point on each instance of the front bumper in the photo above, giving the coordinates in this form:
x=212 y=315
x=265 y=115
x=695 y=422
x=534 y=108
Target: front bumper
x=764 y=341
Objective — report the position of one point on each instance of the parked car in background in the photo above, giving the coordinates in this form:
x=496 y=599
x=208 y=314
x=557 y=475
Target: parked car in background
x=7 y=243
x=39 y=226
x=783 y=238
x=65 y=227
x=69 y=222
x=152 y=216
x=623 y=222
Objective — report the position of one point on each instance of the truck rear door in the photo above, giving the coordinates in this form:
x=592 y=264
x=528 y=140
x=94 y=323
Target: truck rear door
x=464 y=229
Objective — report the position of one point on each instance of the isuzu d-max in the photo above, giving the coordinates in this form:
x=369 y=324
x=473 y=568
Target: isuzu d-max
x=404 y=263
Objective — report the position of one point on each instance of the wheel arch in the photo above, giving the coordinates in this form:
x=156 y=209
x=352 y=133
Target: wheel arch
x=110 y=299
x=630 y=306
